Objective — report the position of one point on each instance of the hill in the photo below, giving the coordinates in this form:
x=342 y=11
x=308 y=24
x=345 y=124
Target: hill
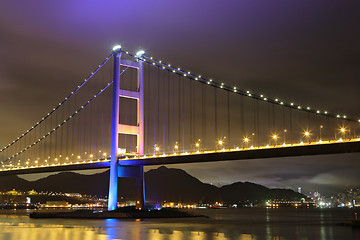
x=162 y=184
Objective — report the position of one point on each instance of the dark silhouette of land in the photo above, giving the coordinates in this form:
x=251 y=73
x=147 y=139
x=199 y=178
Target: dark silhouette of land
x=162 y=184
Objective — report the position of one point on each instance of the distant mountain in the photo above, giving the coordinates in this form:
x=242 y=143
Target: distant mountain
x=176 y=185
x=163 y=183
x=8 y=183
x=244 y=192
x=73 y=182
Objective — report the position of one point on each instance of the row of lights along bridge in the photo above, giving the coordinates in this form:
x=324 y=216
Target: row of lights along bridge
x=275 y=138
x=221 y=143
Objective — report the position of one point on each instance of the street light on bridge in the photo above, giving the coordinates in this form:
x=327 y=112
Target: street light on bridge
x=275 y=138
x=320 y=137
x=176 y=147
x=246 y=140
x=307 y=135
x=197 y=145
x=156 y=149
x=343 y=131
x=220 y=143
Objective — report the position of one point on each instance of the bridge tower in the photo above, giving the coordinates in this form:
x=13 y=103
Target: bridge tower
x=116 y=170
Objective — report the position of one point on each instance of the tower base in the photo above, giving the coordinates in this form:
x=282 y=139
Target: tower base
x=136 y=172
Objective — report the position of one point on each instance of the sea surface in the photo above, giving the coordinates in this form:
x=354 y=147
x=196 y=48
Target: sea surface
x=241 y=224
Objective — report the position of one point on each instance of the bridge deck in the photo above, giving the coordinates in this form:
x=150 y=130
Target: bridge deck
x=304 y=150
x=257 y=153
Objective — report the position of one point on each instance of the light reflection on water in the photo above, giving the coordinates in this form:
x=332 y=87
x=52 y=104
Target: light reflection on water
x=239 y=224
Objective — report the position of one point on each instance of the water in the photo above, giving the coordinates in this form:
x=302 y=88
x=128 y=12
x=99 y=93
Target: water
x=240 y=224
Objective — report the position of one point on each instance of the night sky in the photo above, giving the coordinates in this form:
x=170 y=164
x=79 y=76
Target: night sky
x=302 y=51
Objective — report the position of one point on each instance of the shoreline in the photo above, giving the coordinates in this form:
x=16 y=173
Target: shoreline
x=127 y=213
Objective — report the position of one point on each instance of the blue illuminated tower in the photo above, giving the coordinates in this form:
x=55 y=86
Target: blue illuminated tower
x=116 y=170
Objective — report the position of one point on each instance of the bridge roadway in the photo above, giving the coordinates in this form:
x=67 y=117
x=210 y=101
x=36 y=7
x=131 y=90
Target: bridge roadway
x=210 y=156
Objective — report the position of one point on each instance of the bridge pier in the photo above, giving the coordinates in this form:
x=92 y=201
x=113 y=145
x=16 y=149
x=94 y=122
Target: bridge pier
x=136 y=172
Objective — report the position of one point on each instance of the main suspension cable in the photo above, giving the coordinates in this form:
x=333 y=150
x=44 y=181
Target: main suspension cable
x=62 y=123
x=276 y=101
x=59 y=105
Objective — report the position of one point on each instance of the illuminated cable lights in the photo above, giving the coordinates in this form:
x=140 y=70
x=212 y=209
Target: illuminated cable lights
x=62 y=123
x=59 y=105
x=227 y=88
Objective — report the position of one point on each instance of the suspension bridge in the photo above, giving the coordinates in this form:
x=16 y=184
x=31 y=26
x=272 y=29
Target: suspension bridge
x=133 y=111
